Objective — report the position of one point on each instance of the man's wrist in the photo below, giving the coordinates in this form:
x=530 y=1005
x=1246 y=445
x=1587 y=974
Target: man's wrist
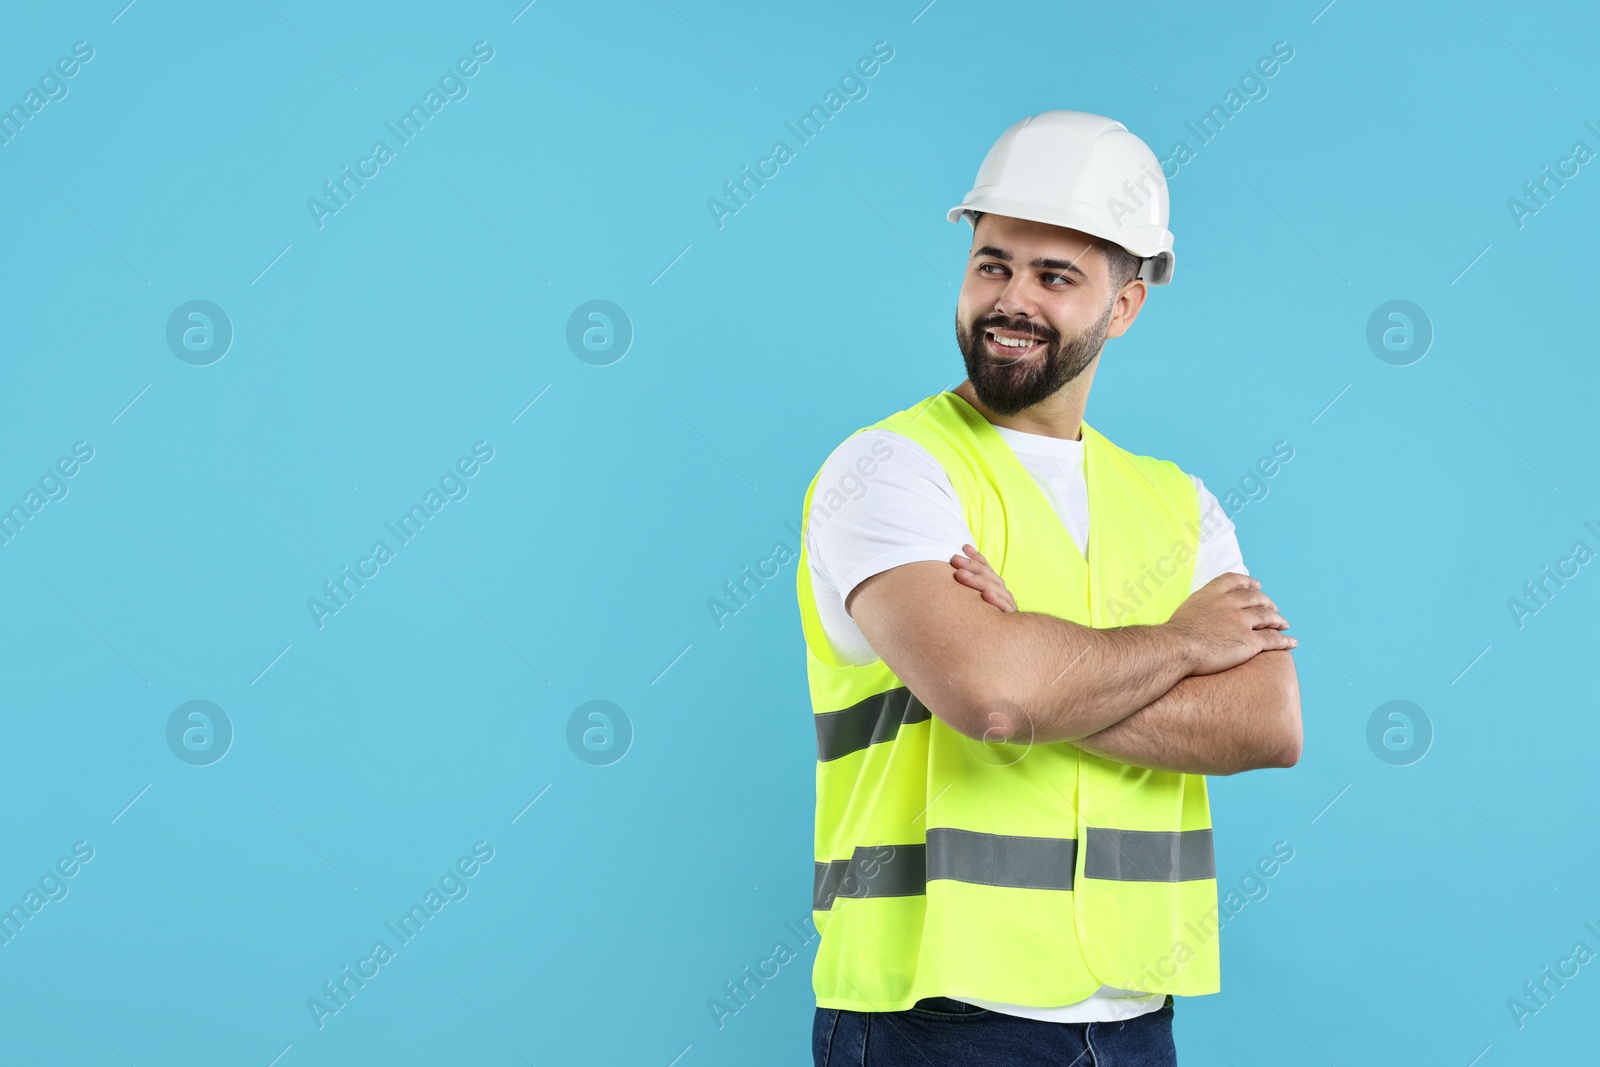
x=1174 y=646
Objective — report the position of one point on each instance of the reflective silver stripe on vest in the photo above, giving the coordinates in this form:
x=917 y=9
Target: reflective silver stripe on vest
x=1149 y=855
x=1016 y=862
x=877 y=718
x=997 y=859
x=961 y=855
x=872 y=871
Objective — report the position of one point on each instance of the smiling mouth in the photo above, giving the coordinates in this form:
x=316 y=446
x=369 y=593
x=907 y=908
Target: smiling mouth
x=1011 y=344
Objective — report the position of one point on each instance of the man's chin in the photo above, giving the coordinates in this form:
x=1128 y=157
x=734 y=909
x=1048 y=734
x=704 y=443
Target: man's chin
x=1000 y=401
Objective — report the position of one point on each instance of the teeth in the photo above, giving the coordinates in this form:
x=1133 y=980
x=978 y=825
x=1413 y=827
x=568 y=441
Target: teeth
x=1009 y=342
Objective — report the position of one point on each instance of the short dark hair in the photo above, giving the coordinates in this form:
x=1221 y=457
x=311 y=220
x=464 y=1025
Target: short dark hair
x=1121 y=264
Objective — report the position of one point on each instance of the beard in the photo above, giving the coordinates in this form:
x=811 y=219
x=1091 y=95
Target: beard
x=1008 y=387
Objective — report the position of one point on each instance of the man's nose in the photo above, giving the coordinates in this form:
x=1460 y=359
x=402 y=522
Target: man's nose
x=1014 y=302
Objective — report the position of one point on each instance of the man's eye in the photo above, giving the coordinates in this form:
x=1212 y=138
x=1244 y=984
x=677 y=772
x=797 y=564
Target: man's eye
x=1053 y=278
x=982 y=267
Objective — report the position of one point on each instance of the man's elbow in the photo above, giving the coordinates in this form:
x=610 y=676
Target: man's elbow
x=1280 y=747
x=957 y=711
x=1273 y=753
x=1291 y=735
x=987 y=715
x=983 y=703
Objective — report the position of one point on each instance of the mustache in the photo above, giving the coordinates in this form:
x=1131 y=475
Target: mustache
x=1042 y=332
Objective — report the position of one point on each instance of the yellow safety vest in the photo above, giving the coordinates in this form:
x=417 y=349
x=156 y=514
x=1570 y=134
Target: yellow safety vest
x=1027 y=874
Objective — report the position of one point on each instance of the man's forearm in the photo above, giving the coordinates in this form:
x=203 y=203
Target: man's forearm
x=1070 y=680
x=1242 y=718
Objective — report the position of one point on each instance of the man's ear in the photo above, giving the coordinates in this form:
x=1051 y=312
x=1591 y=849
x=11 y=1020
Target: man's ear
x=1125 y=307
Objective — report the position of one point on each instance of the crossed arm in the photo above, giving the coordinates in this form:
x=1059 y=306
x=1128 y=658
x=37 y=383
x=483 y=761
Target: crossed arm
x=1245 y=717
x=1241 y=719
x=1211 y=693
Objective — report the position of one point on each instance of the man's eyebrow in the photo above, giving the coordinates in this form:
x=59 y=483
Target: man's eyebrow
x=1044 y=264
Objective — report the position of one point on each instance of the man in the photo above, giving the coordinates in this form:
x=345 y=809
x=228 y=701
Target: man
x=1013 y=857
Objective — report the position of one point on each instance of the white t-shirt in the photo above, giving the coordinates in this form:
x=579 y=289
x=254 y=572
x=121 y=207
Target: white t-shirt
x=882 y=500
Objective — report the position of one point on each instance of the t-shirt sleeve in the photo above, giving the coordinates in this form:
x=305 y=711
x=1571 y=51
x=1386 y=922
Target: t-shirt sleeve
x=1219 y=542
x=881 y=500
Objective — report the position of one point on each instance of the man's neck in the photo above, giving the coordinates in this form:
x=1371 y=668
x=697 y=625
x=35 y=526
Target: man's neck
x=1060 y=415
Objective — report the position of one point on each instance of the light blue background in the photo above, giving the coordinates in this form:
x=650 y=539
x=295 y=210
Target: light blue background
x=428 y=314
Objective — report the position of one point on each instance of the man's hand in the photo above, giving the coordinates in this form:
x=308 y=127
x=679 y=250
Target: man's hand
x=974 y=572
x=1224 y=622
x=1227 y=621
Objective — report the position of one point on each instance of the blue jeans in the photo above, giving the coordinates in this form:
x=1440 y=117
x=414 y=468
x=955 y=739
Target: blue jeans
x=950 y=1033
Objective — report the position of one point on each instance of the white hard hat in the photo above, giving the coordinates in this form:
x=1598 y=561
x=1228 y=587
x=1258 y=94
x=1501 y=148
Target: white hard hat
x=1082 y=171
